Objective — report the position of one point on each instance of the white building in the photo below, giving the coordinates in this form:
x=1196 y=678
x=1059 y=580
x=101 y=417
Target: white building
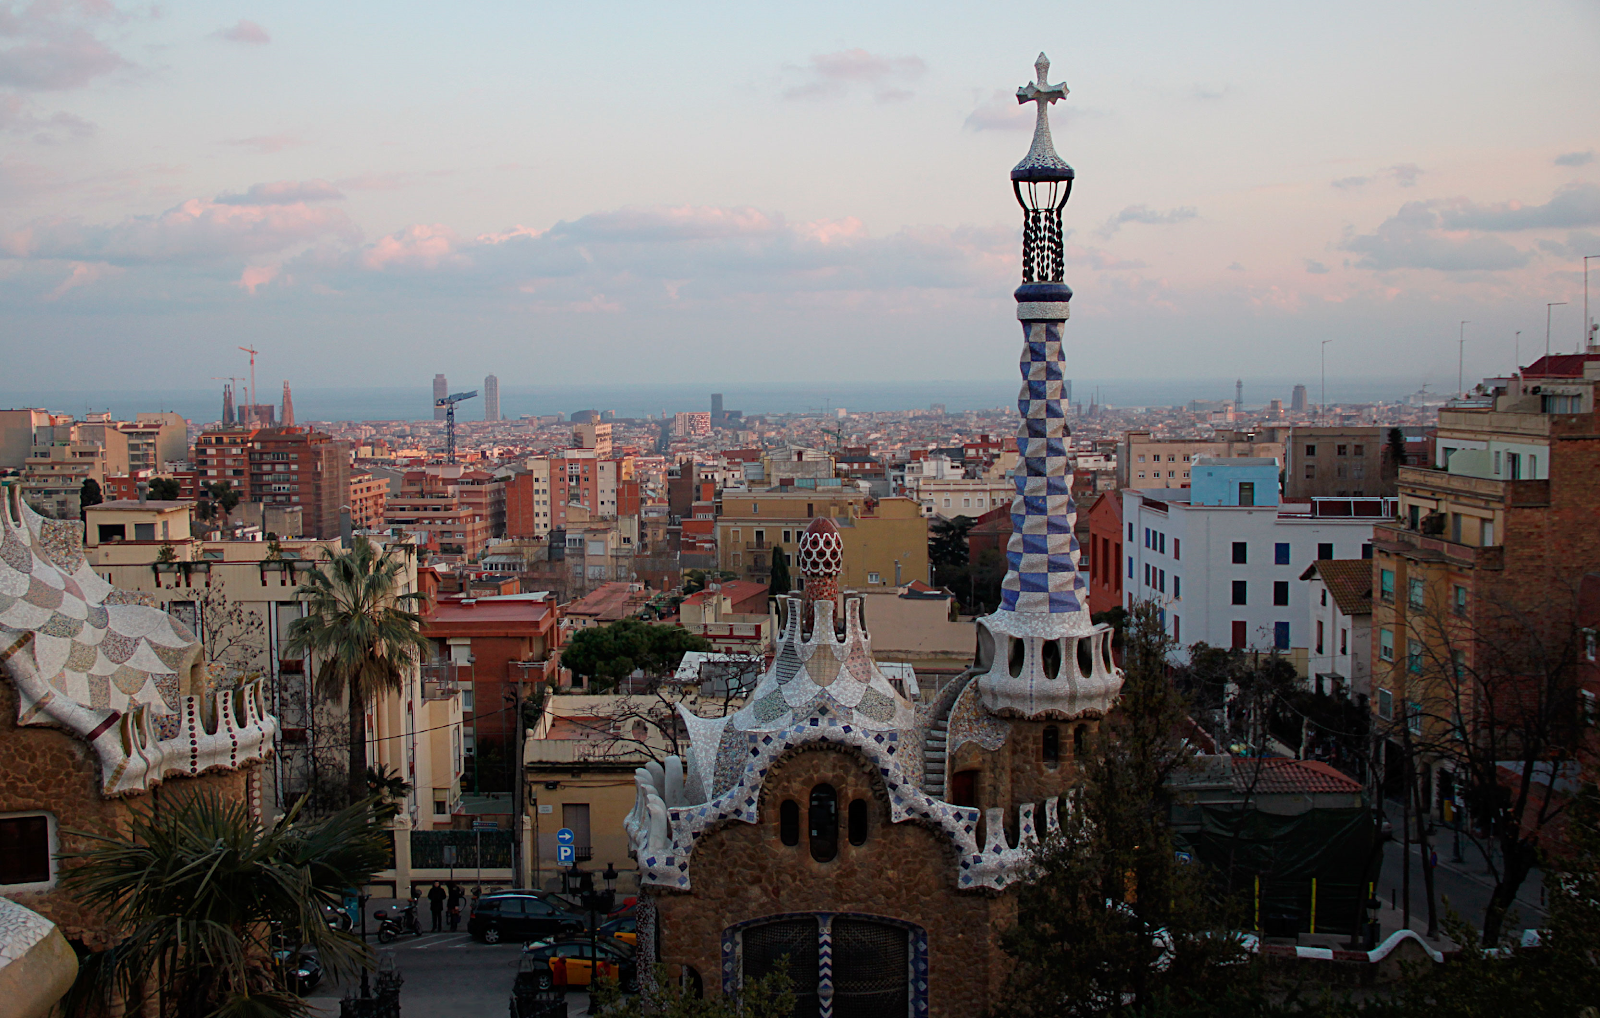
x=1339 y=653
x=1224 y=559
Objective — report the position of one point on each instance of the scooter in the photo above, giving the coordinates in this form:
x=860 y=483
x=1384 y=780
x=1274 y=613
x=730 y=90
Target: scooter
x=397 y=921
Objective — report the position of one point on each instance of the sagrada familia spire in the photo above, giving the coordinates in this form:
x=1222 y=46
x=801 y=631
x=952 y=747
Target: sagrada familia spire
x=1042 y=635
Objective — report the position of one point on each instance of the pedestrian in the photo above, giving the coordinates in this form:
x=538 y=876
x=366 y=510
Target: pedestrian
x=454 y=906
x=436 y=897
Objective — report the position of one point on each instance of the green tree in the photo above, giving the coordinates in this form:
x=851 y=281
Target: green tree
x=608 y=654
x=362 y=635
x=780 y=583
x=947 y=550
x=165 y=489
x=89 y=494
x=199 y=887
x=1113 y=922
x=224 y=497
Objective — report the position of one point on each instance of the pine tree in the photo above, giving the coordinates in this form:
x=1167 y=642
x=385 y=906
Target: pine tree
x=780 y=584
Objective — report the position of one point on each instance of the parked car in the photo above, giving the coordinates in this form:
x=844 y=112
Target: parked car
x=624 y=928
x=522 y=915
x=573 y=963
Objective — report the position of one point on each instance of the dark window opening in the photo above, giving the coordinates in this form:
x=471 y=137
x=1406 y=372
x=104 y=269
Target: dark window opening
x=1241 y=591
x=1078 y=740
x=789 y=823
x=824 y=823
x=1241 y=553
x=858 y=822
x=24 y=850
x=1018 y=652
x=1325 y=550
x=1085 y=658
x=1280 y=592
x=1052 y=745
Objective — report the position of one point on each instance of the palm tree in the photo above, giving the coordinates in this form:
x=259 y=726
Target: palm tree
x=200 y=888
x=362 y=633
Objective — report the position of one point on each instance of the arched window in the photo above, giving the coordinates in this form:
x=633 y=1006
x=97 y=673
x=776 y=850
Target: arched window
x=1050 y=657
x=824 y=823
x=1052 y=745
x=789 y=823
x=1077 y=740
x=1018 y=654
x=964 y=788
x=858 y=822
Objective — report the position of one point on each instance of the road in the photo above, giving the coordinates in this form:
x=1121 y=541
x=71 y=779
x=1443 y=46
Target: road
x=447 y=975
x=1466 y=884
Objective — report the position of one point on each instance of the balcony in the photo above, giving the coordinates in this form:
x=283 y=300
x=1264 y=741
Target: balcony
x=1397 y=540
x=1433 y=483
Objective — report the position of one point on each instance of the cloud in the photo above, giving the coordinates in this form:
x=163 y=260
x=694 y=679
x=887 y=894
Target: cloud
x=832 y=74
x=56 y=60
x=1573 y=205
x=1000 y=112
x=194 y=231
x=1146 y=214
x=266 y=144
x=83 y=273
x=1211 y=91
x=247 y=32
x=1417 y=237
x=283 y=192
x=1236 y=267
x=1575 y=158
x=255 y=276
x=1403 y=174
x=1578 y=244
x=1315 y=267
x=17 y=117
x=415 y=247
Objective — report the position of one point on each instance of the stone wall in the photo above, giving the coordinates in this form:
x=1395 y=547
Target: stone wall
x=49 y=770
x=902 y=871
x=1016 y=773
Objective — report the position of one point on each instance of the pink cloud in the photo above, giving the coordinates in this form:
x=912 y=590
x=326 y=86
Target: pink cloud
x=247 y=32
x=83 y=273
x=257 y=275
x=415 y=247
x=194 y=230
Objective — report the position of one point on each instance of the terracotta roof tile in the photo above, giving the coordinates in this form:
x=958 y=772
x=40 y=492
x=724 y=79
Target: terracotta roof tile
x=1349 y=580
x=1280 y=776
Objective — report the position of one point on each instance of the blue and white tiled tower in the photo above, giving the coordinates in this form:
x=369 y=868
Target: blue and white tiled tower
x=1045 y=659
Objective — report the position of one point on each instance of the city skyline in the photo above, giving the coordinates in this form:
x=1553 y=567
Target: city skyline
x=1242 y=195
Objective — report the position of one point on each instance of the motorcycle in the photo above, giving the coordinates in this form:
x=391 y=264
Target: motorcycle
x=337 y=918
x=397 y=921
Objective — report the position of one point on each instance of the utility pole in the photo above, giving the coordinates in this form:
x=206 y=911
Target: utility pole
x=1547 y=307
x=1588 y=326
x=1461 y=354
x=1518 y=355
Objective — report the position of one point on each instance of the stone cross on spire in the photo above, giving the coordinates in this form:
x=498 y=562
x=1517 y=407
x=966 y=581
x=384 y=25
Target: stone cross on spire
x=1041 y=162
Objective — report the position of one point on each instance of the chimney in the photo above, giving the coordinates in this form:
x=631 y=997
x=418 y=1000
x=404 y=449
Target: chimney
x=144 y=491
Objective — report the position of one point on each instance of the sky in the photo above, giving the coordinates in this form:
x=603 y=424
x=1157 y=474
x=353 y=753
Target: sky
x=368 y=193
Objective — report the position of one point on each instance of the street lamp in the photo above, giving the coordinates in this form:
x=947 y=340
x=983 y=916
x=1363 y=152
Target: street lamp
x=1547 y=307
x=1461 y=350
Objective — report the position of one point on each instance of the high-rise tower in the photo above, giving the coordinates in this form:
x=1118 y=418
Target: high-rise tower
x=227 y=405
x=441 y=389
x=1238 y=395
x=491 y=398
x=286 y=418
x=1040 y=654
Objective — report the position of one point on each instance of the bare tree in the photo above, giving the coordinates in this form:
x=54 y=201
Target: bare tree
x=1491 y=697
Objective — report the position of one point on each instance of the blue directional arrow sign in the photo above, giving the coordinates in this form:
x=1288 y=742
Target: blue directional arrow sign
x=564 y=854
x=564 y=836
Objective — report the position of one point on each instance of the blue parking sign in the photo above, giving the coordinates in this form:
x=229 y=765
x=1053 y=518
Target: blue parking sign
x=564 y=854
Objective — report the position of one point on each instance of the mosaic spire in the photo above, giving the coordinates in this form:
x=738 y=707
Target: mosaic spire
x=1043 y=655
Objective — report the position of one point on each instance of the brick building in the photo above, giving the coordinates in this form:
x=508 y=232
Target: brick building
x=1104 y=551
x=1335 y=462
x=281 y=466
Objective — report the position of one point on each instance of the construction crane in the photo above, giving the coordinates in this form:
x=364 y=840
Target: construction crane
x=448 y=405
x=252 y=403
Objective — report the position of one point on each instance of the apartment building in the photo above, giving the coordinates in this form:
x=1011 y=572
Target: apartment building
x=732 y=615
x=240 y=598
x=1504 y=519
x=17 y=429
x=885 y=540
x=433 y=509
x=691 y=424
x=529 y=509
x=599 y=550
x=53 y=473
x=494 y=650
x=157 y=441
x=1224 y=557
x=369 y=497
x=1103 y=552
x=1336 y=462
x=1146 y=461
x=280 y=466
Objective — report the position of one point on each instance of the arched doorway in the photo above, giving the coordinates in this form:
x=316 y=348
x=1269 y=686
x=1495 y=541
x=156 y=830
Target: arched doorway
x=843 y=964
